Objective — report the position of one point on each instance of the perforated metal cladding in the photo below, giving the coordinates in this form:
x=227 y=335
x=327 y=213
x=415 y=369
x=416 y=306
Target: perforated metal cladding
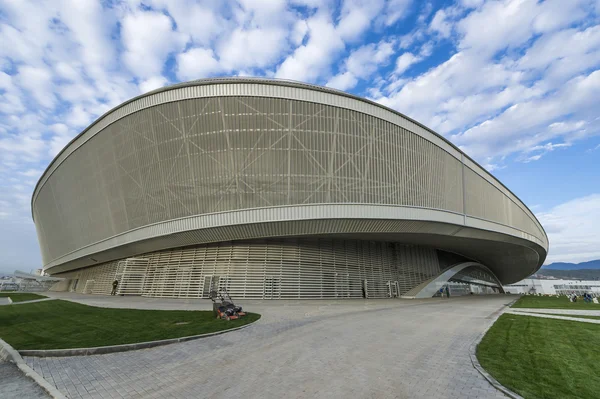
x=209 y=155
x=485 y=201
x=273 y=269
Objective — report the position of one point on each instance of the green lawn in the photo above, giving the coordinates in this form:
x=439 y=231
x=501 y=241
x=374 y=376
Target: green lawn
x=543 y=358
x=61 y=324
x=550 y=302
x=21 y=296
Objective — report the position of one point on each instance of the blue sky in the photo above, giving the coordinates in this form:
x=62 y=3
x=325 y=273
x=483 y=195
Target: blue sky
x=514 y=83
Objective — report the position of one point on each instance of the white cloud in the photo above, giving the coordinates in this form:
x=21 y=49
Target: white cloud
x=479 y=93
x=456 y=92
x=252 y=48
x=404 y=62
x=35 y=173
x=313 y=59
x=471 y=3
x=38 y=81
x=361 y=64
x=78 y=116
x=573 y=229
x=299 y=32
x=440 y=24
x=425 y=12
x=344 y=81
x=153 y=83
x=511 y=23
x=555 y=14
x=197 y=63
x=148 y=38
x=89 y=26
x=561 y=55
x=201 y=21
x=565 y=127
x=356 y=16
x=520 y=126
x=364 y=61
x=21 y=147
x=542 y=150
x=548 y=147
x=10 y=96
x=396 y=10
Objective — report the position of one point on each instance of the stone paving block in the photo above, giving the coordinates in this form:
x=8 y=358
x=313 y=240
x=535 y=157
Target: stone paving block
x=302 y=349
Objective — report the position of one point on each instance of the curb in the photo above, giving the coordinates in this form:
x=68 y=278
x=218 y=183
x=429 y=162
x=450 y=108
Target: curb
x=101 y=350
x=555 y=317
x=7 y=352
x=34 y=301
x=8 y=301
x=473 y=355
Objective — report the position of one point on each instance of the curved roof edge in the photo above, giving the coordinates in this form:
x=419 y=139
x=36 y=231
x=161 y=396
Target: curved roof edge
x=276 y=82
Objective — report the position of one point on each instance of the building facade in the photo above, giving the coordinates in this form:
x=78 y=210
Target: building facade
x=275 y=189
x=534 y=286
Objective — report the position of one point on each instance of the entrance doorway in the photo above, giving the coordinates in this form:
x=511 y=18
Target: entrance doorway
x=272 y=288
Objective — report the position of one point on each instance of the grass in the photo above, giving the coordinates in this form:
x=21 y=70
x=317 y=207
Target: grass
x=21 y=296
x=550 y=302
x=543 y=358
x=61 y=324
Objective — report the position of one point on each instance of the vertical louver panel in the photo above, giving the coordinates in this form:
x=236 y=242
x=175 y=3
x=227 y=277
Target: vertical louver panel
x=220 y=154
x=485 y=201
x=269 y=269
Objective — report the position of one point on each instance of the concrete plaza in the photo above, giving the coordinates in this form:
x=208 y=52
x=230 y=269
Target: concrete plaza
x=299 y=349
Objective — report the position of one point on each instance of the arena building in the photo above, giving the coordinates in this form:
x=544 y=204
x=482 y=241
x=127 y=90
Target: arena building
x=275 y=190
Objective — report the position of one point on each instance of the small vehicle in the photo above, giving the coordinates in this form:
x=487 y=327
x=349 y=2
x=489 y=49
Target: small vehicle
x=223 y=306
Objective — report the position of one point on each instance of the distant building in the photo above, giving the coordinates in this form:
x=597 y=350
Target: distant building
x=276 y=190
x=554 y=287
x=21 y=281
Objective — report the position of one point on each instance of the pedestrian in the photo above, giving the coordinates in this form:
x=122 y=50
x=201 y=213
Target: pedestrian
x=115 y=284
x=448 y=291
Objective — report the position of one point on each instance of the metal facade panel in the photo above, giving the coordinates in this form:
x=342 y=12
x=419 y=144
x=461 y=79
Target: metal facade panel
x=244 y=89
x=485 y=201
x=254 y=223
x=267 y=269
x=492 y=181
x=211 y=156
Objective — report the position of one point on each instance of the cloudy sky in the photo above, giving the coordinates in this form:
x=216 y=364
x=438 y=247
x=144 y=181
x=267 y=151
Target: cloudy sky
x=514 y=83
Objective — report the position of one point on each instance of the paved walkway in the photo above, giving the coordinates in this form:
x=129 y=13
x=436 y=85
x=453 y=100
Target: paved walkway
x=551 y=316
x=15 y=385
x=569 y=312
x=299 y=349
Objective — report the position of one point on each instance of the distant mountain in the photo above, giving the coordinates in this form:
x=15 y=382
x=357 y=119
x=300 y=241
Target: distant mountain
x=581 y=274
x=593 y=264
